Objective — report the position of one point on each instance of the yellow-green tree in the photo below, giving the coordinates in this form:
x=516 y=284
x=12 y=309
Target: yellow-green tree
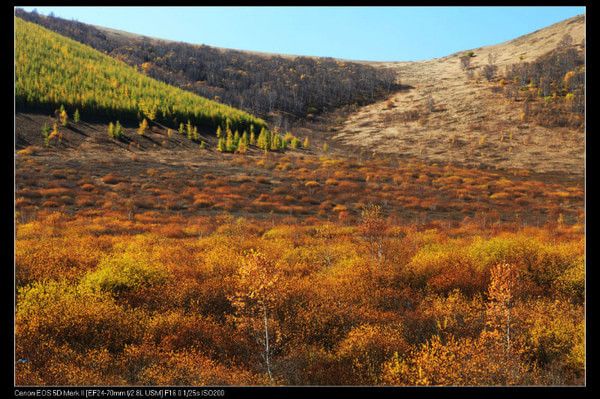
x=63 y=116
x=503 y=283
x=143 y=127
x=257 y=283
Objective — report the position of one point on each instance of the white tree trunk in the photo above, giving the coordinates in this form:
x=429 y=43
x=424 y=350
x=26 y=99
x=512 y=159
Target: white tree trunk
x=267 y=359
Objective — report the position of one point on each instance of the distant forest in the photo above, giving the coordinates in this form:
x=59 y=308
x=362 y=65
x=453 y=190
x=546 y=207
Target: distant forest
x=256 y=83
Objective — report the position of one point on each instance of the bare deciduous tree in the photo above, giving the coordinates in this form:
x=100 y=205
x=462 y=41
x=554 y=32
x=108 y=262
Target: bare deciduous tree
x=373 y=229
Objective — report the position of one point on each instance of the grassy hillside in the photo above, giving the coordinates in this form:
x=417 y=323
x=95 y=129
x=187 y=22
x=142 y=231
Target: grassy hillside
x=458 y=114
x=52 y=70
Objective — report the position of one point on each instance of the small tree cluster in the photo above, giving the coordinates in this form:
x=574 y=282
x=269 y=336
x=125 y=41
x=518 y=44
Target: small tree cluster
x=115 y=131
x=266 y=140
x=191 y=131
x=490 y=69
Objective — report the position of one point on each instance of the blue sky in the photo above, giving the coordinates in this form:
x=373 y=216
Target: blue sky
x=358 y=33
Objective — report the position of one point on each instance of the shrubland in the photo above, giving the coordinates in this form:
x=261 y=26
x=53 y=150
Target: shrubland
x=160 y=299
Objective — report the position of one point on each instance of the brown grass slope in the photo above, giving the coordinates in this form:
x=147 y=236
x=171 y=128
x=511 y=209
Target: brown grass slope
x=470 y=124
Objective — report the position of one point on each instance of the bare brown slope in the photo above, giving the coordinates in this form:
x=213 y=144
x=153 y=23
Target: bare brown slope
x=470 y=124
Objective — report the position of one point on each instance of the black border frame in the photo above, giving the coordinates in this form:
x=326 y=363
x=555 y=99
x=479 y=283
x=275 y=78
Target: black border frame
x=7 y=168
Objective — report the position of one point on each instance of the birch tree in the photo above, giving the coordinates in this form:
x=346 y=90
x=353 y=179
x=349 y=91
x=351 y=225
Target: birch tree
x=373 y=228
x=501 y=300
x=257 y=283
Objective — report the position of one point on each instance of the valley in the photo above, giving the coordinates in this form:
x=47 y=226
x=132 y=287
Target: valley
x=375 y=222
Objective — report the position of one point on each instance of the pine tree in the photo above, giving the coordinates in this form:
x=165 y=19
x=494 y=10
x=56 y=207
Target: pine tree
x=111 y=130
x=118 y=130
x=45 y=132
x=189 y=129
x=236 y=138
x=195 y=134
x=252 y=135
x=219 y=132
x=76 y=116
x=118 y=90
x=242 y=148
x=202 y=145
x=143 y=127
x=306 y=143
x=181 y=128
x=283 y=144
x=275 y=142
x=52 y=134
x=295 y=143
x=244 y=138
x=221 y=145
x=64 y=117
x=229 y=144
x=262 y=139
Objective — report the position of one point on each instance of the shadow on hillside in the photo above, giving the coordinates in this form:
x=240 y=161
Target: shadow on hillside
x=403 y=88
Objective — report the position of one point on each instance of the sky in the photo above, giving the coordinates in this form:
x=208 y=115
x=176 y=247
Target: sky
x=354 y=33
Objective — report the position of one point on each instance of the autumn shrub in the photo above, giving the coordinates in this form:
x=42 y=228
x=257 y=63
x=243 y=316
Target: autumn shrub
x=174 y=330
x=366 y=347
x=458 y=361
x=149 y=364
x=64 y=313
x=554 y=332
x=120 y=273
x=453 y=314
x=111 y=178
x=66 y=366
x=54 y=258
x=571 y=283
x=445 y=267
x=105 y=297
x=541 y=263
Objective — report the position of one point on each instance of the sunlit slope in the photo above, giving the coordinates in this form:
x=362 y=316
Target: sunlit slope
x=52 y=70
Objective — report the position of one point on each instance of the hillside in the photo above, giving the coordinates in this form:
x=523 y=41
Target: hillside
x=448 y=116
x=52 y=70
x=442 y=113
x=259 y=83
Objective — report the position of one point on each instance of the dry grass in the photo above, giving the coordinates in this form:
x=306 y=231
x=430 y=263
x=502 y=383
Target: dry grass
x=471 y=114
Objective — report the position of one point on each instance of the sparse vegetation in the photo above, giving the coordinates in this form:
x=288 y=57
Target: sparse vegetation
x=557 y=79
